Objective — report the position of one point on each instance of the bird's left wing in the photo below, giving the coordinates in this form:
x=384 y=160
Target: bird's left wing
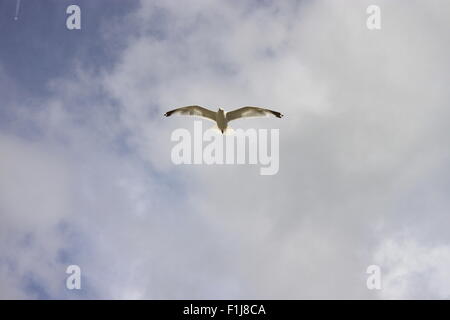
x=246 y=112
x=193 y=111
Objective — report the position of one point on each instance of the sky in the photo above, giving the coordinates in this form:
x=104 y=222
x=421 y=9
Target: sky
x=86 y=176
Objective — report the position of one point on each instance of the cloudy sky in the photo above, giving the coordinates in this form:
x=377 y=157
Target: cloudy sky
x=86 y=176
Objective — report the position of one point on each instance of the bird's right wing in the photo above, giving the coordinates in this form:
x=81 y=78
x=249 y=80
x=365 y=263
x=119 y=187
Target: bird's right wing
x=193 y=111
x=246 y=112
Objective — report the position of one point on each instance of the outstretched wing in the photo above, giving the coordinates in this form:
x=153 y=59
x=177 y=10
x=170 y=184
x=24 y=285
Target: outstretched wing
x=193 y=111
x=246 y=112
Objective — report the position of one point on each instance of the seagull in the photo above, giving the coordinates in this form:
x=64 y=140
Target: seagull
x=221 y=117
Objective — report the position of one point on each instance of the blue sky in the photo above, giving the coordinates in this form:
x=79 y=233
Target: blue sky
x=38 y=47
x=86 y=176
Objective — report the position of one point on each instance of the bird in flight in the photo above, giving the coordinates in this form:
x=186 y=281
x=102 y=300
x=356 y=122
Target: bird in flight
x=221 y=117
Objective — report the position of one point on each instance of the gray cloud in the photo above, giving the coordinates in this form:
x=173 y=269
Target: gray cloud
x=363 y=155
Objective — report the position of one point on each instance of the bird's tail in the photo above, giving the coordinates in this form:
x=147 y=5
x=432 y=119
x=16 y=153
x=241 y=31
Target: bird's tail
x=229 y=131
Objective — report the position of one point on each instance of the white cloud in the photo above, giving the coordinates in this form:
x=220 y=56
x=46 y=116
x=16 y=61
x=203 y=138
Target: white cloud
x=34 y=201
x=365 y=128
x=411 y=270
